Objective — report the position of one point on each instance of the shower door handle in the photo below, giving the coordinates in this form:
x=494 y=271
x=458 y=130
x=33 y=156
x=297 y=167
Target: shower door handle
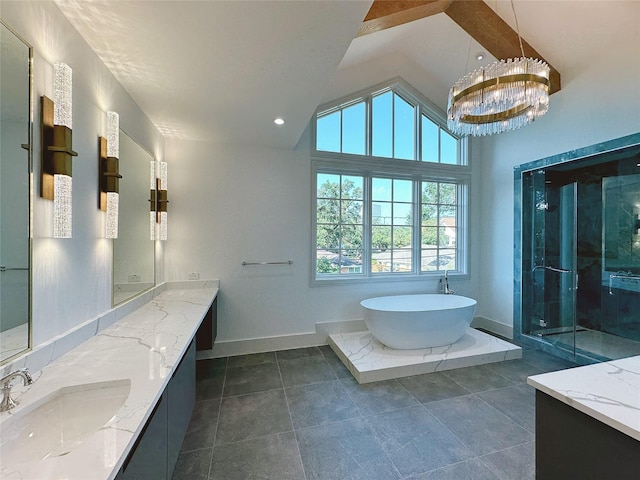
x=4 y=268
x=553 y=269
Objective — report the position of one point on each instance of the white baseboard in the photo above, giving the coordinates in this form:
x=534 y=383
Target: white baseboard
x=259 y=345
x=286 y=342
x=493 y=326
x=346 y=326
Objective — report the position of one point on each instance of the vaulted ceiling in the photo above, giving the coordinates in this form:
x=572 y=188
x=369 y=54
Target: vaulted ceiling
x=223 y=70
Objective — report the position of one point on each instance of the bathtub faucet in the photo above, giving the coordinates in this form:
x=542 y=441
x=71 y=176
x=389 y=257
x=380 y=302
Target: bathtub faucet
x=447 y=290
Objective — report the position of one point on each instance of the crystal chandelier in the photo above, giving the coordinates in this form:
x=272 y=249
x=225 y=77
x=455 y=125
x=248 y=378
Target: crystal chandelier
x=503 y=96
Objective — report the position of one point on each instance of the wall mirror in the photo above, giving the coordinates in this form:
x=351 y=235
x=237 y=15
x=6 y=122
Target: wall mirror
x=15 y=174
x=133 y=250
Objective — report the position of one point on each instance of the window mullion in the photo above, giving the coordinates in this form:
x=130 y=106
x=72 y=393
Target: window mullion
x=369 y=126
x=439 y=145
x=366 y=230
x=417 y=230
x=341 y=139
x=393 y=125
x=418 y=134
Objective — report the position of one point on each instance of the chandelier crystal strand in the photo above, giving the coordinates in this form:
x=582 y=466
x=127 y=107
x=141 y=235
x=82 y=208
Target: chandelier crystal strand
x=503 y=96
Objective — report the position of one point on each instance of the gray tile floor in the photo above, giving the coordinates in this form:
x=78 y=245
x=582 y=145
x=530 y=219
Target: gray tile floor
x=299 y=415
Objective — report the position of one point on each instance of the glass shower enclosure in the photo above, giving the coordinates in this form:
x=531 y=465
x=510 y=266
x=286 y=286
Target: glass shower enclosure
x=577 y=260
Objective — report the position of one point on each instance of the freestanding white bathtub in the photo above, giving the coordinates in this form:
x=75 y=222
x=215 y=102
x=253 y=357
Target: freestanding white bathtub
x=418 y=321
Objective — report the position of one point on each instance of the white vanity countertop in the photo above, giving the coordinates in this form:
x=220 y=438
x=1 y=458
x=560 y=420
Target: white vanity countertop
x=608 y=391
x=145 y=347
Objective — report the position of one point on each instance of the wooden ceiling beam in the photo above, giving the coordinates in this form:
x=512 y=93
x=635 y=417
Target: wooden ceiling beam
x=474 y=16
x=385 y=14
x=494 y=34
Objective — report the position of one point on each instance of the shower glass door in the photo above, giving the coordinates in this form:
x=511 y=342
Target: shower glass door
x=553 y=268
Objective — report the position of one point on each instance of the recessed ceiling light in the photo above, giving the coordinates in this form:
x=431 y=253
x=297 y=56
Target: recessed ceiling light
x=480 y=56
x=279 y=121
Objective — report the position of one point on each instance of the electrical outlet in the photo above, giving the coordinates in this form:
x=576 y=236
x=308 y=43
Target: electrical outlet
x=194 y=276
x=134 y=278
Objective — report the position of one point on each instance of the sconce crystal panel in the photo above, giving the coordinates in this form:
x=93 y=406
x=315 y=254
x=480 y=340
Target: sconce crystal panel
x=113 y=154
x=153 y=187
x=162 y=201
x=57 y=150
x=62 y=95
x=158 y=200
x=62 y=206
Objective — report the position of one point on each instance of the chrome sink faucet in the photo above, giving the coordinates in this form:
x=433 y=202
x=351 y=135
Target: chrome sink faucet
x=7 y=402
x=447 y=290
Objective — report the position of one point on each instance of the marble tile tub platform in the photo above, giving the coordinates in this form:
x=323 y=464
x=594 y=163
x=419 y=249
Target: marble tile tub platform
x=370 y=361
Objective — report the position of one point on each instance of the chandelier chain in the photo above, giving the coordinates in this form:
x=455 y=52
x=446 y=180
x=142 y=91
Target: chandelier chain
x=513 y=8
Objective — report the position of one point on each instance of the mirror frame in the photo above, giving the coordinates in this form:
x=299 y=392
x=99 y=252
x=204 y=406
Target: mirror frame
x=29 y=149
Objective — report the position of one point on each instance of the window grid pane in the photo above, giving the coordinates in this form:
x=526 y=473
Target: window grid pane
x=382 y=125
x=430 y=140
x=339 y=220
x=392 y=225
x=353 y=129
x=403 y=129
x=439 y=229
x=328 y=137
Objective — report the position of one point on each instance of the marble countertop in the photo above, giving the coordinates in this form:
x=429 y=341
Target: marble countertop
x=608 y=391
x=145 y=347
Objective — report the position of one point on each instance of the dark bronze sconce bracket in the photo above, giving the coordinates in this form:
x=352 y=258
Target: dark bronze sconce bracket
x=158 y=201
x=57 y=149
x=108 y=172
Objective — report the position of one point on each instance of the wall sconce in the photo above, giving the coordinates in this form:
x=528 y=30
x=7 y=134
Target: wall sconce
x=158 y=201
x=57 y=150
x=109 y=175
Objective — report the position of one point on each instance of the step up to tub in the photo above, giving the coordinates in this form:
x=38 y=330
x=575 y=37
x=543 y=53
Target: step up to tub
x=370 y=361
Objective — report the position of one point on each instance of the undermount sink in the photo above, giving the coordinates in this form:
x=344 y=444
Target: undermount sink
x=61 y=421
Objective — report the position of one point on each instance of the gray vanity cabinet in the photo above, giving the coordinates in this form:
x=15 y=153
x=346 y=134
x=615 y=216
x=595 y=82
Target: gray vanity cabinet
x=162 y=435
x=181 y=395
x=571 y=444
x=143 y=463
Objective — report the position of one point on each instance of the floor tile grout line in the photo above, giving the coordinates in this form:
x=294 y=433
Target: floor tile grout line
x=475 y=457
x=488 y=466
x=341 y=380
x=504 y=415
x=295 y=435
x=215 y=435
x=504 y=376
x=486 y=366
x=253 y=393
x=468 y=447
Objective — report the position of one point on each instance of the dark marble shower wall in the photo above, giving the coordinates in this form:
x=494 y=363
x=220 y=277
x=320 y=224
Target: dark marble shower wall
x=593 y=309
x=592 y=195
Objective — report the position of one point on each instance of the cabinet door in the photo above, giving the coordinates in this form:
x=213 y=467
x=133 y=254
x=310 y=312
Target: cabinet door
x=146 y=461
x=181 y=393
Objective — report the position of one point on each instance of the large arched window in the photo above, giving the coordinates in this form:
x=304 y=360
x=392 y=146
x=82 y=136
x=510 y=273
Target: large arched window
x=390 y=187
